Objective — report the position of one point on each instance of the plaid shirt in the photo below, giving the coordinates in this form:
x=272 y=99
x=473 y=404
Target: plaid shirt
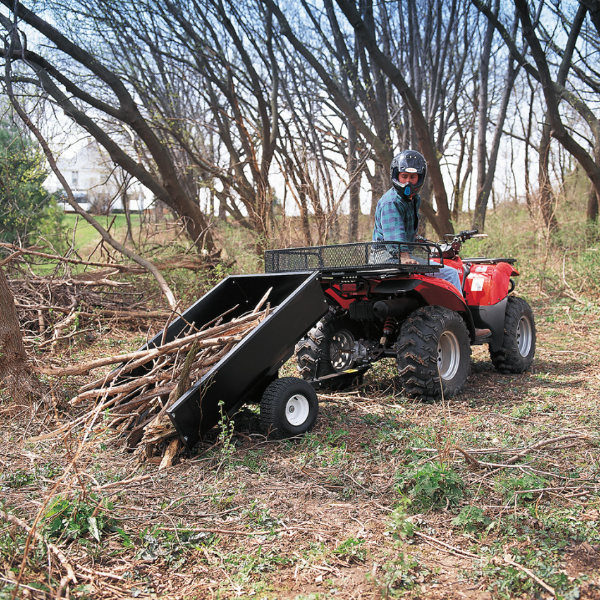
x=396 y=218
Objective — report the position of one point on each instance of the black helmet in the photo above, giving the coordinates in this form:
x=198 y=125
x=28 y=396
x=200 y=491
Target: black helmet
x=408 y=161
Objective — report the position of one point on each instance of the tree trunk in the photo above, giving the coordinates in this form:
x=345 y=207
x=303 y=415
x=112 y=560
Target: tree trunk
x=17 y=377
x=354 y=191
x=594 y=198
x=380 y=182
x=547 y=200
x=126 y=207
x=592 y=206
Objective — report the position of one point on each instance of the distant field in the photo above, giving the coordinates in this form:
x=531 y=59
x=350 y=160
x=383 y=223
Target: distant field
x=86 y=237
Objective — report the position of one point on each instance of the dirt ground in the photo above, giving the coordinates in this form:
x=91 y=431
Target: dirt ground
x=339 y=513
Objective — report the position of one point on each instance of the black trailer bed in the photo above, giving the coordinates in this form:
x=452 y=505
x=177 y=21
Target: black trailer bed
x=242 y=375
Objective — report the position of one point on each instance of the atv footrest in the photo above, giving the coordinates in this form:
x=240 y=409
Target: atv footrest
x=340 y=380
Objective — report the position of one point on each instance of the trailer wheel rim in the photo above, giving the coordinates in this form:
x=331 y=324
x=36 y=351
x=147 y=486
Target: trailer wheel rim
x=297 y=410
x=524 y=336
x=448 y=355
x=341 y=349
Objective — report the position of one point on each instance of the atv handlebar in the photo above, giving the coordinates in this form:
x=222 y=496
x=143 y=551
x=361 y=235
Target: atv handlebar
x=463 y=236
x=452 y=246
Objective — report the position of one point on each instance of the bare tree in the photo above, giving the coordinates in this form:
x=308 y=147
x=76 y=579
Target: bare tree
x=559 y=131
x=554 y=91
x=108 y=96
x=487 y=159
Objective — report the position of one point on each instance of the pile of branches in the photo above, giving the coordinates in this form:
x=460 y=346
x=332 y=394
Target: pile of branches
x=60 y=305
x=54 y=309
x=138 y=393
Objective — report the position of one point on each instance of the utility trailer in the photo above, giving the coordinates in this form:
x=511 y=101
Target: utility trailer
x=341 y=308
x=249 y=372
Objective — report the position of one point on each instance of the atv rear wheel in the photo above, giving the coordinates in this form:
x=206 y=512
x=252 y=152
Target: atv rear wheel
x=327 y=348
x=433 y=353
x=518 y=347
x=289 y=407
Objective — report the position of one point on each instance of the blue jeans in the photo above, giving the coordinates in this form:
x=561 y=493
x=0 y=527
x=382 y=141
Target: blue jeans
x=451 y=275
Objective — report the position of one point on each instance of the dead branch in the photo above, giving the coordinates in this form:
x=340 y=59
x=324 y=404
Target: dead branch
x=471 y=460
x=512 y=563
x=18 y=251
x=52 y=310
x=542 y=444
x=137 y=394
x=448 y=546
x=132 y=359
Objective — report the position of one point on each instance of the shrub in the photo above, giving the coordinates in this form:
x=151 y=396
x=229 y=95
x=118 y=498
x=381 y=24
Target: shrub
x=435 y=485
x=25 y=206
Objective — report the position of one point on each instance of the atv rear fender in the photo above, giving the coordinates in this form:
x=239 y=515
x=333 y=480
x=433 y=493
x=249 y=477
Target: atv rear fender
x=423 y=289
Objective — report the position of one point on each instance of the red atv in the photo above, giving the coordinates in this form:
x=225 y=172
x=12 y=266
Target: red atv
x=382 y=307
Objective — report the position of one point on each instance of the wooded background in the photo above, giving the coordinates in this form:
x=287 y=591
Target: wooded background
x=244 y=105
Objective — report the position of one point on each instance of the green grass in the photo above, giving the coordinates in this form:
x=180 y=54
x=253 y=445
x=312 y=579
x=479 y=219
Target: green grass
x=86 y=238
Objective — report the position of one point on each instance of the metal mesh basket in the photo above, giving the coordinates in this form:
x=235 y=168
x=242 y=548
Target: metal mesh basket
x=353 y=257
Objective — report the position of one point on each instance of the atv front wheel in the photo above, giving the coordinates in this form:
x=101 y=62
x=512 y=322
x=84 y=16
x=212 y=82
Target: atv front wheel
x=518 y=347
x=433 y=353
x=288 y=407
x=327 y=348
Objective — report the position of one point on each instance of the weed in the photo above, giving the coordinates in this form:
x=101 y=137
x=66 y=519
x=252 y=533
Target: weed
x=309 y=442
x=398 y=574
x=223 y=501
x=434 y=485
x=246 y=568
x=335 y=438
x=522 y=488
x=12 y=546
x=260 y=516
x=510 y=582
x=226 y=430
x=399 y=524
x=77 y=517
x=171 y=546
x=522 y=411
x=471 y=519
x=352 y=550
x=254 y=460
x=19 y=478
x=571 y=525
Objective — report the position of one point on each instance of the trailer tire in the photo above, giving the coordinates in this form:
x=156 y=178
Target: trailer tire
x=327 y=347
x=289 y=407
x=518 y=347
x=433 y=353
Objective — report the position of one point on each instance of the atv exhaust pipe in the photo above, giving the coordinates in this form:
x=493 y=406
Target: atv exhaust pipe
x=396 y=307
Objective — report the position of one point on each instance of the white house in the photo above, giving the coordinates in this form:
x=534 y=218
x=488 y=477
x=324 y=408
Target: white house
x=97 y=183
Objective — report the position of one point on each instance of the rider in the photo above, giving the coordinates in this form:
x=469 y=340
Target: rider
x=397 y=212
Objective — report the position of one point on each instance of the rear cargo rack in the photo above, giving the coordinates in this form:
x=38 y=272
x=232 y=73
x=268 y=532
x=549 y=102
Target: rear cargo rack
x=362 y=256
